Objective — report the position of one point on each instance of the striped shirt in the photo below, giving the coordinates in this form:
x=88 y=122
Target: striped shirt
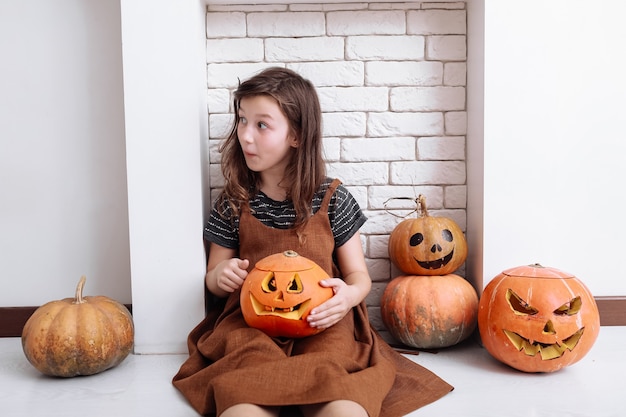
x=344 y=213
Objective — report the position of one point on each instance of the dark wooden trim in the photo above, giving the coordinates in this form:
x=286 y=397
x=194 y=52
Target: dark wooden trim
x=612 y=310
x=13 y=319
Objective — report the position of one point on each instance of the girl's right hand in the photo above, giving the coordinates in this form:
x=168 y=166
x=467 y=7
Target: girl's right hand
x=230 y=274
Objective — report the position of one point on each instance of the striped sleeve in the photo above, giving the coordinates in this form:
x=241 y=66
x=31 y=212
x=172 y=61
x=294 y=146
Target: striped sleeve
x=219 y=229
x=345 y=215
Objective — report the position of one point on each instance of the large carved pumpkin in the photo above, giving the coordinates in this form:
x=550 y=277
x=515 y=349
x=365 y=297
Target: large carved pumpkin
x=429 y=311
x=280 y=292
x=427 y=245
x=537 y=319
x=78 y=336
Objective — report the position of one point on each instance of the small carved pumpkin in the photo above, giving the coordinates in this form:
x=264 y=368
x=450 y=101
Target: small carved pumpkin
x=78 y=336
x=537 y=319
x=280 y=292
x=427 y=245
x=429 y=311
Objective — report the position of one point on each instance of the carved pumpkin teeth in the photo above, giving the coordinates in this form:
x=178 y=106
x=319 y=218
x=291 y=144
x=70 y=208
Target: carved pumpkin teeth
x=546 y=350
x=291 y=313
x=284 y=310
x=437 y=263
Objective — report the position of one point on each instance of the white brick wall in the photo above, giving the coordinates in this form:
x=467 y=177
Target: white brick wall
x=391 y=79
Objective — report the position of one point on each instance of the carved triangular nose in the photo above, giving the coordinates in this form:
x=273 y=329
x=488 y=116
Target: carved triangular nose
x=549 y=328
x=279 y=296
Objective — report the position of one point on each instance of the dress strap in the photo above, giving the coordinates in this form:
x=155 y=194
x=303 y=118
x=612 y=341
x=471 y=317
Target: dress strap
x=329 y=193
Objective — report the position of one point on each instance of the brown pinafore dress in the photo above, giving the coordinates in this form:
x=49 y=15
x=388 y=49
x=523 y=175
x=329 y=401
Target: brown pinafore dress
x=231 y=363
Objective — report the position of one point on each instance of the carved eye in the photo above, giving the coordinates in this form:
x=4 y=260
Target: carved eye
x=269 y=283
x=446 y=234
x=416 y=239
x=570 y=308
x=295 y=285
x=518 y=305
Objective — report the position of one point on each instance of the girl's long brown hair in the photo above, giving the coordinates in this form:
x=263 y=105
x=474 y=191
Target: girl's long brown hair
x=306 y=170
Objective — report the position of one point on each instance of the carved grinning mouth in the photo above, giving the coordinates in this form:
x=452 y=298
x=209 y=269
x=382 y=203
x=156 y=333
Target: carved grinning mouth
x=291 y=313
x=547 y=350
x=437 y=263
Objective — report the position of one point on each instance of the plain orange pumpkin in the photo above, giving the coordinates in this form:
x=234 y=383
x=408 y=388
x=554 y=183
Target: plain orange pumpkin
x=427 y=245
x=78 y=336
x=537 y=319
x=429 y=311
x=280 y=292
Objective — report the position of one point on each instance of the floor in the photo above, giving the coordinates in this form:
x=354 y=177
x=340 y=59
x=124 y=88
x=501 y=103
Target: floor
x=140 y=386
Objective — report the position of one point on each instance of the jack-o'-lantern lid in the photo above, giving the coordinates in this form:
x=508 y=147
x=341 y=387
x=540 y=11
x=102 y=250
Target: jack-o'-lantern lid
x=537 y=271
x=287 y=261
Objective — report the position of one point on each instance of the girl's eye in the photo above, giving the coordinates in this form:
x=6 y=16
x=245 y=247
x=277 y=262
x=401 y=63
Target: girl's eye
x=242 y=120
x=262 y=125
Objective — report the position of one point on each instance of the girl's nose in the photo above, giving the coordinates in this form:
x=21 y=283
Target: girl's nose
x=244 y=133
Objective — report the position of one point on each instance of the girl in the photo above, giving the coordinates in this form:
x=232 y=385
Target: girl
x=277 y=197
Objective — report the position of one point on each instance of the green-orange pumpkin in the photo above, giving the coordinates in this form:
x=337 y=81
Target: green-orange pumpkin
x=78 y=336
x=537 y=319
x=427 y=245
x=280 y=292
x=429 y=311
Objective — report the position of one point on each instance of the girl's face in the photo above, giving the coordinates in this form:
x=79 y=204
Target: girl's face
x=264 y=135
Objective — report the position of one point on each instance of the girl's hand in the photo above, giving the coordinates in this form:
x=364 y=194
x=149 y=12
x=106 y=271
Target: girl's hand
x=333 y=310
x=230 y=274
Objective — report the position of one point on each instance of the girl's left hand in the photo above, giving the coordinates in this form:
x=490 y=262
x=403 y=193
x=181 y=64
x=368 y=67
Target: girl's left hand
x=333 y=310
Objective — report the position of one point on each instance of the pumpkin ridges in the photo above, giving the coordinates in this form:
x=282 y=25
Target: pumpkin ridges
x=285 y=262
x=545 y=290
x=91 y=334
x=460 y=316
x=422 y=311
x=407 y=255
x=43 y=316
x=92 y=339
x=61 y=354
x=283 y=267
x=398 y=326
x=36 y=343
x=75 y=336
x=115 y=313
x=536 y=270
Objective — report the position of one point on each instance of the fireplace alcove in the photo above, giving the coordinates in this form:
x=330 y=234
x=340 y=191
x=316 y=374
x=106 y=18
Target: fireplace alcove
x=166 y=125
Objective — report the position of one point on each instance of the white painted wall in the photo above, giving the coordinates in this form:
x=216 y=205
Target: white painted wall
x=554 y=145
x=79 y=126
x=166 y=122
x=474 y=150
x=63 y=208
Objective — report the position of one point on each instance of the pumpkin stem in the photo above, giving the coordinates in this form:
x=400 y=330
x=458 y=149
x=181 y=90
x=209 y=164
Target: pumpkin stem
x=422 y=210
x=79 y=291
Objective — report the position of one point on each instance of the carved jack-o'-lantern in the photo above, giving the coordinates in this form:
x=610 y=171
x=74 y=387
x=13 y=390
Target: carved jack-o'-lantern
x=427 y=245
x=280 y=292
x=537 y=319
